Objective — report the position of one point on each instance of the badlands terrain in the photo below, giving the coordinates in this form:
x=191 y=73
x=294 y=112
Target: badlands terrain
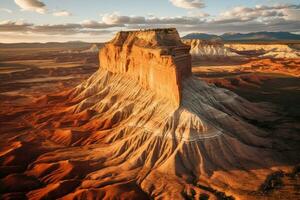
x=150 y=117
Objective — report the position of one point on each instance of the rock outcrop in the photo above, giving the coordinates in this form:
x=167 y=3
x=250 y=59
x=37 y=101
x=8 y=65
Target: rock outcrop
x=265 y=50
x=156 y=58
x=119 y=134
x=209 y=49
x=206 y=49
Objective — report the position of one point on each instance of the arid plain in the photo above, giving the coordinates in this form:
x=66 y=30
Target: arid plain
x=66 y=127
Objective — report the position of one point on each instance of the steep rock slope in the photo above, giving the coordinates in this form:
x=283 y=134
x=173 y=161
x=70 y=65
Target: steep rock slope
x=156 y=58
x=116 y=136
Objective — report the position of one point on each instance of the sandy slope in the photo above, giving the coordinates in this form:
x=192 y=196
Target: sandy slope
x=109 y=132
x=290 y=67
x=267 y=50
x=117 y=136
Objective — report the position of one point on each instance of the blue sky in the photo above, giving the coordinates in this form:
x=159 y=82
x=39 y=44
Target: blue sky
x=98 y=20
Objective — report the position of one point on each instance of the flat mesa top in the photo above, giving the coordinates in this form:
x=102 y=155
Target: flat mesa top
x=150 y=38
x=151 y=30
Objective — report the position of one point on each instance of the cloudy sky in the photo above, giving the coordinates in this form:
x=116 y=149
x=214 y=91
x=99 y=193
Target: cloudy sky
x=98 y=20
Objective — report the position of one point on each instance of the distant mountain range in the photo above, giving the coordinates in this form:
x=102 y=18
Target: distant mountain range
x=255 y=36
x=70 y=44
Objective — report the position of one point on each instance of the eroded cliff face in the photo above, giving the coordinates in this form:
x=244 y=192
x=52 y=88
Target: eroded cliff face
x=113 y=137
x=156 y=58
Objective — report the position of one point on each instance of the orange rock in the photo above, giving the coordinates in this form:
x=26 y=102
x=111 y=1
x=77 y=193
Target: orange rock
x=156 y=58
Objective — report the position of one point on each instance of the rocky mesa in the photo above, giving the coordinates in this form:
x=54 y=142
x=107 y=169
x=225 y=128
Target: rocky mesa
x=156 y=58
x=142 y=127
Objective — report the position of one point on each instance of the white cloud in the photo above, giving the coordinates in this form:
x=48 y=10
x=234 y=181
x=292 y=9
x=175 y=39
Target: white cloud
x=86 y=27
x=32 y=5
x=292 y=14
x=238 y=19
x=40 y=7
x=62 y=13
x=114 y=18
x=6 y=10
x=92 y=24
x=188 y=4
x=14 y=26
x=197 y=13
x=182 y=20
x=258 y=13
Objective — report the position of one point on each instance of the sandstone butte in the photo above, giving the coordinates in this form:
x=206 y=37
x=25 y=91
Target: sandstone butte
x=118 y=133
x=156 y=58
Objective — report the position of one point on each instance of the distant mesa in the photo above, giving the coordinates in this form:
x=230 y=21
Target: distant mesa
x=202 y=36
x=156 y=58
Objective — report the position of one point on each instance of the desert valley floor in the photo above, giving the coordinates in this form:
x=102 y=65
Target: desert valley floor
x=50 y=143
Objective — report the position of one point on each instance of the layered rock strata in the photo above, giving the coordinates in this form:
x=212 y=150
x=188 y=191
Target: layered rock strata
x=266 y=50
x=156 y=58
x=116 y=135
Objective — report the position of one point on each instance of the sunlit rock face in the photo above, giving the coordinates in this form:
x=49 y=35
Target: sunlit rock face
x=156 y=58
x=141 y=127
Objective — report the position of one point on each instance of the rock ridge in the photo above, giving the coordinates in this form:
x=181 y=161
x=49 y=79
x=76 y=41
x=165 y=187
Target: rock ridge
x=157 y=58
